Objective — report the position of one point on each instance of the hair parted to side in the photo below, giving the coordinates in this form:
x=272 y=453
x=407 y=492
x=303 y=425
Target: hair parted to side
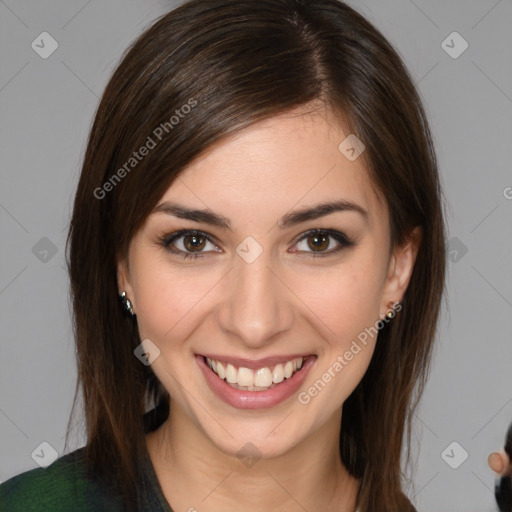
x=238 y=63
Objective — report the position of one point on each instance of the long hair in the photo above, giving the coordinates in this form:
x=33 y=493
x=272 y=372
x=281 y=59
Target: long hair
x=205 y=70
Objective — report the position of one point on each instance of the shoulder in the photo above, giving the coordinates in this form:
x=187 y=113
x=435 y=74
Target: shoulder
x=60 y=487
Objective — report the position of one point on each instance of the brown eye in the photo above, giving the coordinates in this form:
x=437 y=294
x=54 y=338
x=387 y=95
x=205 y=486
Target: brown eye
x=194 y=242
x=189 y=244
x=318 y=242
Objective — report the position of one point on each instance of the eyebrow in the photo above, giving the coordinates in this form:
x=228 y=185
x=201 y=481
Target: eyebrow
x=288 y=220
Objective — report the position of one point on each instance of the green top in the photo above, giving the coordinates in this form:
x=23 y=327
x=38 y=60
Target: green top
x=63 y=487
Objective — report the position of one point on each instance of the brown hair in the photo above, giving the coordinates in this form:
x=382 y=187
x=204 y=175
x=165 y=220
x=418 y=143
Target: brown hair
x=235 y=63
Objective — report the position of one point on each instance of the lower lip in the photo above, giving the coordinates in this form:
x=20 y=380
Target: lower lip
x=254 y=399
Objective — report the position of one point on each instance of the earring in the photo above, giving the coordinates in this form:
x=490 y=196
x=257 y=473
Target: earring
x=127 y=305
x=397 y=306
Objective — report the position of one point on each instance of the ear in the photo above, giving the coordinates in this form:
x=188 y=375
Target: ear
x=124 y=279
x=400 y=269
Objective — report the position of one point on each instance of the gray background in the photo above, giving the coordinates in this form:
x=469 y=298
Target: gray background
x=46 y=111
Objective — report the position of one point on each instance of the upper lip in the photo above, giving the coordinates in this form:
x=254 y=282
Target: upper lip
x=255 y=364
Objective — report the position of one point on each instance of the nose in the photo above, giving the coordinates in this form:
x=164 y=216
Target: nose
x=258 y=306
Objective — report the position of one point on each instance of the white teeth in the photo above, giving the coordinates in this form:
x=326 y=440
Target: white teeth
x=278 y=374
x=231 y=374
x=263 y=378
x=220 y=370
x=245 y=377
x=288 y=369
x=251 y=380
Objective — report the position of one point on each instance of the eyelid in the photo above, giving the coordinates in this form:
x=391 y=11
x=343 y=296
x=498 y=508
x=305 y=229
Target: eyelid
x=170 y=237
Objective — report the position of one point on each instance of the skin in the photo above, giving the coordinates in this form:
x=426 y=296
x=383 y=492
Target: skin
x=499 y=462
x=282 y=303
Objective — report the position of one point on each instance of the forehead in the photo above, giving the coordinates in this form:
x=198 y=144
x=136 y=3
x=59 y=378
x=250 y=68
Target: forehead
x=276 y=165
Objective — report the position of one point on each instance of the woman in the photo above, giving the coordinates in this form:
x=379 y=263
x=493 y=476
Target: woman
x=261 y=191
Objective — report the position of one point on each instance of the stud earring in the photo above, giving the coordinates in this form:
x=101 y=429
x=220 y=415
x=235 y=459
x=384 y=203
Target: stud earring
x=395 y=307
x=127 y=305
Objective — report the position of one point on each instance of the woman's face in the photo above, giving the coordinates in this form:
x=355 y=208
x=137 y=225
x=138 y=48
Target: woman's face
x=264 y=291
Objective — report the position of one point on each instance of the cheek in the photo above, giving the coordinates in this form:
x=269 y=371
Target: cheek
x=168 y=298
x=347 y=299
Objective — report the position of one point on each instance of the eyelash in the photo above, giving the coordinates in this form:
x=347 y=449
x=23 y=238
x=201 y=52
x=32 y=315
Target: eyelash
x=167 y=240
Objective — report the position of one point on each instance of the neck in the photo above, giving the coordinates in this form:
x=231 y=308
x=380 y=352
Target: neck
x=195 y=474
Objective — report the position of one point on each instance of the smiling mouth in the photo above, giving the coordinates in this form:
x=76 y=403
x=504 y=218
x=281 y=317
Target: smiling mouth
x=262 y=379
